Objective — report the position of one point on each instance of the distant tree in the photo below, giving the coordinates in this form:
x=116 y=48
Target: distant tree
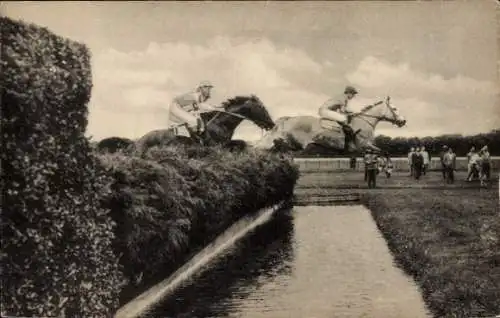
x=399 y=146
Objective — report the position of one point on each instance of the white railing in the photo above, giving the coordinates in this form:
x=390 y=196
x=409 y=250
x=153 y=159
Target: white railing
x=399 y=164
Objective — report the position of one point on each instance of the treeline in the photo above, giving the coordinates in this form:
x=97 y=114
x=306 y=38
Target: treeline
x=461 y=144
x=400 y=146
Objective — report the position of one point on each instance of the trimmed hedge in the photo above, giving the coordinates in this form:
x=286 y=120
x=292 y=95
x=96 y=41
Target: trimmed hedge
x=177 y=200
x=61 y=246
x=113 y=144
x=57 y=257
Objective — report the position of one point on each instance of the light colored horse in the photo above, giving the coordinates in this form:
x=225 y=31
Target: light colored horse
x=304 y=132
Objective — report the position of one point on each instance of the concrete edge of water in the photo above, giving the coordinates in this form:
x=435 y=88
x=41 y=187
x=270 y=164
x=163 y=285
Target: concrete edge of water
x=145 y=301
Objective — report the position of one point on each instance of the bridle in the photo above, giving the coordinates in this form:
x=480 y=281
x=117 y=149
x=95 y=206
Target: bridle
x=363 y=114
x=232 y=114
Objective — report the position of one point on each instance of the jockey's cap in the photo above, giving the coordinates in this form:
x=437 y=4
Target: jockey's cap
x=350 y=90
x=485 y=148
x=445 y=147
x=205 y=84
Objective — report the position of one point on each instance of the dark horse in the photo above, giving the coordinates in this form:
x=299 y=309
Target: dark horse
x=219 y=126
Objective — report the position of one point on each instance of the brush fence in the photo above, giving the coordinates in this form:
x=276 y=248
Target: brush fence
x=399 y=164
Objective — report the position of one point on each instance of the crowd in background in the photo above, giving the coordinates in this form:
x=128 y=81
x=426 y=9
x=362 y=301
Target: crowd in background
x=419 y=159
x=478 y=163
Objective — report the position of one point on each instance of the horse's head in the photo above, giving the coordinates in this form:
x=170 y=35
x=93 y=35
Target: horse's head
x=392 y=114
x=384 y=110
x=252 y=108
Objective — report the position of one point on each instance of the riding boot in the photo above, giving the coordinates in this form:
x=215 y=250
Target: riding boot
x=195 y=135
x=349 y=135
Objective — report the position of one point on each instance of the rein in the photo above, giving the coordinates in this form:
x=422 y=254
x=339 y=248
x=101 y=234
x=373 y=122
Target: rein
x=223 y=111
x=362 y=114
x=219 y=111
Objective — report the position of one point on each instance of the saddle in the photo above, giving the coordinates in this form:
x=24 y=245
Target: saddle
x=196 y=136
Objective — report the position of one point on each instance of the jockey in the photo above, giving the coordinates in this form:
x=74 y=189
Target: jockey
x=185 y=108
x=337 y=110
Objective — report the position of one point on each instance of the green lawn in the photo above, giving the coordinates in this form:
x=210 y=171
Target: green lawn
x=445 y=236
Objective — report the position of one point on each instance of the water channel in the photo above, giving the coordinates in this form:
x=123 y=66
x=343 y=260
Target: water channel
x=312 y=261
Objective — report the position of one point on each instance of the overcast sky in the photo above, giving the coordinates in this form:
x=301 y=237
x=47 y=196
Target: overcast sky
x=436 y=59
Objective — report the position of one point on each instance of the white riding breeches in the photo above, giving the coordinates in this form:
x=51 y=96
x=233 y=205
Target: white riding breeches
x=333 y=115
x=178 y=115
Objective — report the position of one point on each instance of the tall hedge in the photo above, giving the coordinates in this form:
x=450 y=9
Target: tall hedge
x=56 y=252
x=178 y=200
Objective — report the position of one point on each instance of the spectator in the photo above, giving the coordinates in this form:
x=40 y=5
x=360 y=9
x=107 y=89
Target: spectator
x=426 y=159
x=485 y=162
x=471 y=151
x=352 y=163
x=371 y=168
x=380 y=164
x=418 y=162
x=366 y=157
x=473 y=166
x=470 y=154
x=410 y=163
x=449 y=161
x=388 y=165
x=441 y=157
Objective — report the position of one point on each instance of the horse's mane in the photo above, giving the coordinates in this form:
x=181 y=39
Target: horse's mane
x=240 y=99
x=368 y=107
x=237 y=100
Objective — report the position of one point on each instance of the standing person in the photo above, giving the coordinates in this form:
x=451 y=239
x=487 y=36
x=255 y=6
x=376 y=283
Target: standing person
x=485 y=162
x=441 y=158
x=470 y=154
x=337 y=109
x=381 y=164
x=449 y=162
x=418 y=162
x=388 y=165
x=410 y=162
x=473 y=166
x=365 y=158
x=371 y=167
x=184 y=109
x=426 y=158
x=352 y=163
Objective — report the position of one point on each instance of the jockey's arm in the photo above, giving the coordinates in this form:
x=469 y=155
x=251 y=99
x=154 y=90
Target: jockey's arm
x=332 y=110
x=206 y=107
x=184 y=116
x=332 y=105
x=190 y=118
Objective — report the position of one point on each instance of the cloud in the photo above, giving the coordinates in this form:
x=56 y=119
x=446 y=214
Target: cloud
x=132 y=90
x=401 y=78
x=431 y=103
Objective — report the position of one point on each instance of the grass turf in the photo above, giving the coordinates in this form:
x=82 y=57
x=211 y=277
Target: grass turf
x=448 y=240
x=445 y=236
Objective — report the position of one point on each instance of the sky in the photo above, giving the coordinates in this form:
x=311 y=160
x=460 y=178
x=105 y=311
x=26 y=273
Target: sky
x=438 y=60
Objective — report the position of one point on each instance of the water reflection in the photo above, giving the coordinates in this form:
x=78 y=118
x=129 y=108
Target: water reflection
x=322 y=262
x=255 y=260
